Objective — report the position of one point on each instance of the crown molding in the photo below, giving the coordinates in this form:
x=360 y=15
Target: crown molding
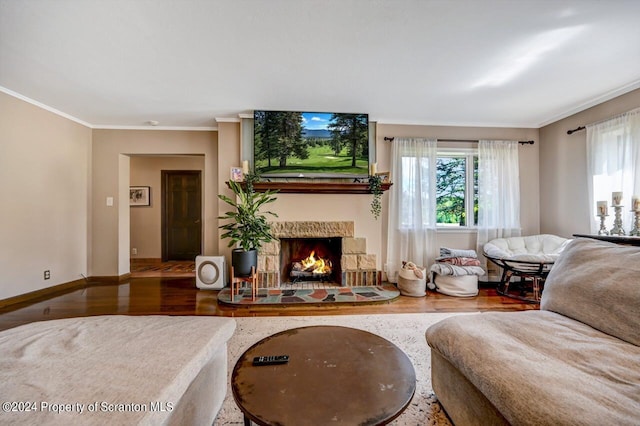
x=149 y=127
x=227 y=120
x=593 y=102
x=44 y=107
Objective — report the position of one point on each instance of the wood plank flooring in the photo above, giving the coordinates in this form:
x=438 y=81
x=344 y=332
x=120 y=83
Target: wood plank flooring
x=179 y=296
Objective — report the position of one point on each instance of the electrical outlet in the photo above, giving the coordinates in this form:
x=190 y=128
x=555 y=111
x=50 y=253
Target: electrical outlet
x=134 y=251
x=47 y=274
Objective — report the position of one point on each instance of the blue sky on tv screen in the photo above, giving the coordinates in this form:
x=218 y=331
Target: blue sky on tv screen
x=315 y=120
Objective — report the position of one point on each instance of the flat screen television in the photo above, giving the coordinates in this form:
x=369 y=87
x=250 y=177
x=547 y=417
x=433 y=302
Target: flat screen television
x=291 y=144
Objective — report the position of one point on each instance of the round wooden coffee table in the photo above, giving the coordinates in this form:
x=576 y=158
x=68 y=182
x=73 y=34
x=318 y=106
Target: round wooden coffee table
x=335 y=375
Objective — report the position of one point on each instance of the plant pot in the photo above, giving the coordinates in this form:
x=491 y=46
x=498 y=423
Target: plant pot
x=242 y=261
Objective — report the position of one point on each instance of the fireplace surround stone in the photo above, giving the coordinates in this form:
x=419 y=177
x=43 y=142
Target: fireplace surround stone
x=358 y=267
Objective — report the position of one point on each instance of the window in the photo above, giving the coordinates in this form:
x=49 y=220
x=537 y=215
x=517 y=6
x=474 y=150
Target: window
x=612 y=162
x=457 y=188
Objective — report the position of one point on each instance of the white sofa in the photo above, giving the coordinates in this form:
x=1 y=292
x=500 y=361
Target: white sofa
x=133 y=370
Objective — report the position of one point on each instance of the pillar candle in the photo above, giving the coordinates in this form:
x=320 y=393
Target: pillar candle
x=616 y=198
x=635 y=202
x=245 y=167
x=372 y=169
x=601 y=210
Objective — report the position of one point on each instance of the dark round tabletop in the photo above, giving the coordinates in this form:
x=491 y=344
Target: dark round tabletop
x=335 y=375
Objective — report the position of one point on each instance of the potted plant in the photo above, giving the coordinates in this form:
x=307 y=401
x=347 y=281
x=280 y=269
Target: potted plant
x=247 y=226
x=375 y=187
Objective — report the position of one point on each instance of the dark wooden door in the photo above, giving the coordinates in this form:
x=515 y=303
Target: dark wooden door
x=181 y=215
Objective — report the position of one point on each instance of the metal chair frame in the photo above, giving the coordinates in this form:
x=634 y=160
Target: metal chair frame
x=536 y=271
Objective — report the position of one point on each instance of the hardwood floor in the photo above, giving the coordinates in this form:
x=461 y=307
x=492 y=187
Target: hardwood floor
x=179 y=296
x=156 y=268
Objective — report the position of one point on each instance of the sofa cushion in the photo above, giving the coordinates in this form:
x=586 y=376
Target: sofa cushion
x=539 y=367
x=597 y=283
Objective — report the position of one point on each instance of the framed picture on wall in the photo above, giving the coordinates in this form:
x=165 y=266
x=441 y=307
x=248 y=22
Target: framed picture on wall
x=139 y=196
x=385 y=176
x=237 y=174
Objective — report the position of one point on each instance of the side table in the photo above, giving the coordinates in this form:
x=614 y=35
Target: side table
x=335 y=376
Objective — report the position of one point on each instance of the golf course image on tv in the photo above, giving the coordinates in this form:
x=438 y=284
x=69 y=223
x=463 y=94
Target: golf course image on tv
x=311 y=144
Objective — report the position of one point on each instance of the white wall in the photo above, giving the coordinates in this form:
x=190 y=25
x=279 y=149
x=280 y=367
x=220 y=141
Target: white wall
x=564 y=205
x=110 y=162
x=44 y=170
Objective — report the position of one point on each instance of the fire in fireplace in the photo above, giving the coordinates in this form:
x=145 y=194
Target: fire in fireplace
x=311 y=267
x=311 y=259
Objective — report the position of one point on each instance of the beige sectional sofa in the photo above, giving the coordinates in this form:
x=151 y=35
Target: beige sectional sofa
x=576 y=361
x=115 y=370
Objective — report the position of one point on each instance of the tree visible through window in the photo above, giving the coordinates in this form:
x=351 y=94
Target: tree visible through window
x=453 y=182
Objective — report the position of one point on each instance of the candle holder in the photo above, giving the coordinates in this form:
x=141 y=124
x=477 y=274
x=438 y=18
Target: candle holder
x=617 y=222
x=635 y=232
x=603 y=229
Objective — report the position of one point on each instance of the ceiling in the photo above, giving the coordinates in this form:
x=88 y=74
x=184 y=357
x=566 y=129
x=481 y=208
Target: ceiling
x=184 y=63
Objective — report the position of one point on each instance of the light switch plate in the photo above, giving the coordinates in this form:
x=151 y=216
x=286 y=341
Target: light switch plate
x=110 y=201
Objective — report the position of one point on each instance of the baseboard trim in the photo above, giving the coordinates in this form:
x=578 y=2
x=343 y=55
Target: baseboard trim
x=43 y=293
x=111 y=278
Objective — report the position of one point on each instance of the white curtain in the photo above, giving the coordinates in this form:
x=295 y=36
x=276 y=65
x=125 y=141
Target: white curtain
x=498 y=192
x=613 y=164
x=412 y=205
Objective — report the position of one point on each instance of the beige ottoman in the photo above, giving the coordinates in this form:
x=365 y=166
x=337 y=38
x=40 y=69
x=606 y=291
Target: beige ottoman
x=459 y=286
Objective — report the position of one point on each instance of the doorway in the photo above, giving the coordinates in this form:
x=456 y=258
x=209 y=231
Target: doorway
x=181 y=214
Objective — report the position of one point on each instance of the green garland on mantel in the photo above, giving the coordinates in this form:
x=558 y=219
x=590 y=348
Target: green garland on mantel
x=375 y=187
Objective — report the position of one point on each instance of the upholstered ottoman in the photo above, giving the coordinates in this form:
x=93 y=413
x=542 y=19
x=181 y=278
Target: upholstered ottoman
x=142 y=370
x=459 y=286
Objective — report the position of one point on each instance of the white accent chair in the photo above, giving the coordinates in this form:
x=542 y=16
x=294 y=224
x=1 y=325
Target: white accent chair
x=530 y=257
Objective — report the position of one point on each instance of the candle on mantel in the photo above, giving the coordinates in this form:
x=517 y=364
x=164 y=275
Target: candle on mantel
x=601 y=209
x=616 y=198
x=635 y=202
x=372 y=169
x=245 y=167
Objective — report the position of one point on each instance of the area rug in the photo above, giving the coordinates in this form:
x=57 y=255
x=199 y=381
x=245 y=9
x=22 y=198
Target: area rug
x=405 y=330
x=267 y=296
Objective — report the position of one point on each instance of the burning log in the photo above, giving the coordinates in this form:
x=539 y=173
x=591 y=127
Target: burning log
x=311 y=267
x=317 y=266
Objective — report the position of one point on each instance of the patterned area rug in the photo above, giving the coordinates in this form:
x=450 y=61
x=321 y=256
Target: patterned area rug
x=405 y=330
x=323 y=295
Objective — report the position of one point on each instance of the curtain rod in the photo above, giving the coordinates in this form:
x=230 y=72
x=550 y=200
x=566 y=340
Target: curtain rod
x=390 y=139
x=577 y=129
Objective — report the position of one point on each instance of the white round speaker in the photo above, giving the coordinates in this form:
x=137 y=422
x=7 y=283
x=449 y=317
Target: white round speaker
x=210 y=272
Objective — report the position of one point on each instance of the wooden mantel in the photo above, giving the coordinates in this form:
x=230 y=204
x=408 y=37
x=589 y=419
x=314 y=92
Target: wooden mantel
x=312 y=187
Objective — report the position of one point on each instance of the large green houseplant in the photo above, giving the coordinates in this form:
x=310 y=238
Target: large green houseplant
x=247 y=226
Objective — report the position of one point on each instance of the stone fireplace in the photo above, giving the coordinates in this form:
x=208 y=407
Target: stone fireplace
x=332 y=242
x=310 y=259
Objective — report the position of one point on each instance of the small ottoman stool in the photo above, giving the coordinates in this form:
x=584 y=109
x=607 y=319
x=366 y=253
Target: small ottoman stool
x=459 y=286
